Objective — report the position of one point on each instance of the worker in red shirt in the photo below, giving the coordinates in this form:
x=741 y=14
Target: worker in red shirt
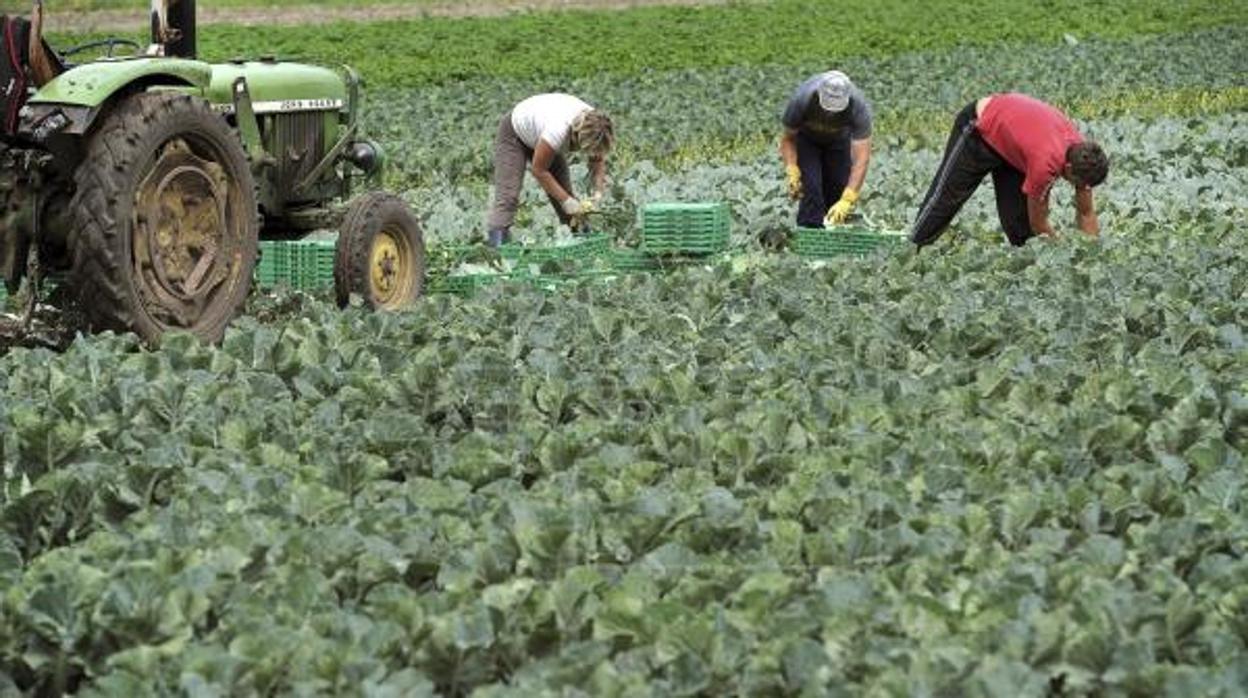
x=1026 y=145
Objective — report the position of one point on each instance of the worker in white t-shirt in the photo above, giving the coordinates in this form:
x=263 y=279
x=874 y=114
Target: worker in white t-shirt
x=541 y=130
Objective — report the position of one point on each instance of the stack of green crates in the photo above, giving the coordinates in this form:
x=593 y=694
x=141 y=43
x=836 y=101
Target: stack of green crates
x=306 y=265
x=312 y=264
x=827 y=243
x=271 y=269
x=685 y=229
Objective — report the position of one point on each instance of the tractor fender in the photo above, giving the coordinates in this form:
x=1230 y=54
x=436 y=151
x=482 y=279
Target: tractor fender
x=71 y=101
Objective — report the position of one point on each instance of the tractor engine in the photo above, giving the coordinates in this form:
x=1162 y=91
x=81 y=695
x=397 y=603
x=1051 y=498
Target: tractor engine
x=304 y=133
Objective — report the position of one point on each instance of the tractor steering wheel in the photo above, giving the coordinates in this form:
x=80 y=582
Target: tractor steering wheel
x=112 y=43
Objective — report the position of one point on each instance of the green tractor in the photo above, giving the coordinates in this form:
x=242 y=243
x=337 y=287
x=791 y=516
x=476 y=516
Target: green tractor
x=143 y=183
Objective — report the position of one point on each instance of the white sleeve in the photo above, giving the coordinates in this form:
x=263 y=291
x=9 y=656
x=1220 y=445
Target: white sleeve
x=555 y=135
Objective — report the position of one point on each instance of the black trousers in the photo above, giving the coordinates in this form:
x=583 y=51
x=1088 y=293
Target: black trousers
x=825 y=172
x=968 y=159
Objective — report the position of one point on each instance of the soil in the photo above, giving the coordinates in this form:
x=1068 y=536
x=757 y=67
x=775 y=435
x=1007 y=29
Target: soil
x=129 y=21
x=49 y=329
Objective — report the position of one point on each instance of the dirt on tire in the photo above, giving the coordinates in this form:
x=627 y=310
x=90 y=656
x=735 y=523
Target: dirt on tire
x=166 y=221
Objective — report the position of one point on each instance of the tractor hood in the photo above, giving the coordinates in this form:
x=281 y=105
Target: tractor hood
x=280 y=87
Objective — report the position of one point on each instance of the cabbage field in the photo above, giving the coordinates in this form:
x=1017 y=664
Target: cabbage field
x=968 y=471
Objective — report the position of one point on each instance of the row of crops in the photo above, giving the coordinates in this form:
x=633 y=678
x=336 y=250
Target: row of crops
x=973 y=470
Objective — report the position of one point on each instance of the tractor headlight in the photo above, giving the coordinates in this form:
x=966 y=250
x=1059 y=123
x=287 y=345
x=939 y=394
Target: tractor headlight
x=367 y=156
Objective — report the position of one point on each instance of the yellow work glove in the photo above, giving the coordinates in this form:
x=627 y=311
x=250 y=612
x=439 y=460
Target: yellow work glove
x=839 y=213
x=794 y=177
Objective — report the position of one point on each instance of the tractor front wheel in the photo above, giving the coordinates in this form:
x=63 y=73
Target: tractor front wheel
x=167 y=222
x=380 y=257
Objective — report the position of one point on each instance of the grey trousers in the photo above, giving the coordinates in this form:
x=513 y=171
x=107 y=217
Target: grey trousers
x=511 y=159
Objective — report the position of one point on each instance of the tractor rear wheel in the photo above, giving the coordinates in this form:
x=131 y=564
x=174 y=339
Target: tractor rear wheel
x=166 y=220
x=381 y=254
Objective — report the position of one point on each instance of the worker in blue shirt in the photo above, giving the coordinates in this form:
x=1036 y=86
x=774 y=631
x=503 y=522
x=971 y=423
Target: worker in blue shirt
x=826 y=146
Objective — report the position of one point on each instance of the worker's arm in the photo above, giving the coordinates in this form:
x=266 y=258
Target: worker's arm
x=543 y=157
x=788 y=147
x=1085 y=212
x=1038 y=216
x=788 y=155
x=598 y=175
x=860 y=152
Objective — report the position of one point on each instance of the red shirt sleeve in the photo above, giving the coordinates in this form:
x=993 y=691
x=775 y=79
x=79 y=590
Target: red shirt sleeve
x=1038 y=180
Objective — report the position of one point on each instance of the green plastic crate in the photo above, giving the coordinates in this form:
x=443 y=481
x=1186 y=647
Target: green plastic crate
x=311 y=264
x=271 y=269
x=626 y=259
x=589 y=248
x=440 y=260
x=469 y=284
x=300 y=264
x=690 y=229
x=463 y=284
x=828 y=243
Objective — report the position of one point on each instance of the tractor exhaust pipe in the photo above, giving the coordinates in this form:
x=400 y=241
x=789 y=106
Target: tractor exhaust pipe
x=173 y=27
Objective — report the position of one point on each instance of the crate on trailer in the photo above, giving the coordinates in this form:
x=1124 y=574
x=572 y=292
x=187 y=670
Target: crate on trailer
x=828 y=243
x=689 y=228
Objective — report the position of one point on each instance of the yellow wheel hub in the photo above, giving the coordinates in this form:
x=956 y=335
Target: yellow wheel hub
x=390 y=269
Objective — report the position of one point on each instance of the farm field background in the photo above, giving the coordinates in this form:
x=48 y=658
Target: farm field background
x=970 y=471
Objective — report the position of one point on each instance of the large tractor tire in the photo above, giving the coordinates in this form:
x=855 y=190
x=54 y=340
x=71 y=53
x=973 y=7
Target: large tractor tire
x=166 y=220
x=380 y=257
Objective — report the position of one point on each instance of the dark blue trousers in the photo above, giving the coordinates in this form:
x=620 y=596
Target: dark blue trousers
x=825 y=172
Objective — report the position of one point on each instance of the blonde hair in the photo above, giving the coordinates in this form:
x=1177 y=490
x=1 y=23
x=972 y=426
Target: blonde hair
x=593 y=132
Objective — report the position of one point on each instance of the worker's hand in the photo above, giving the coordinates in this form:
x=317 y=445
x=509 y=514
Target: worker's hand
x=839 y=213
x=577 y=211
x=794 y=177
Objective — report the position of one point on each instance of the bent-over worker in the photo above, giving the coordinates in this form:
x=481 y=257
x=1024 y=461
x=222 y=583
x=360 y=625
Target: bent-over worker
x=826 y=146
x=539 y=131
x=1026 y=145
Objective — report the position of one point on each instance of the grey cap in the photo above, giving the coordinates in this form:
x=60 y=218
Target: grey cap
x=834 y=91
